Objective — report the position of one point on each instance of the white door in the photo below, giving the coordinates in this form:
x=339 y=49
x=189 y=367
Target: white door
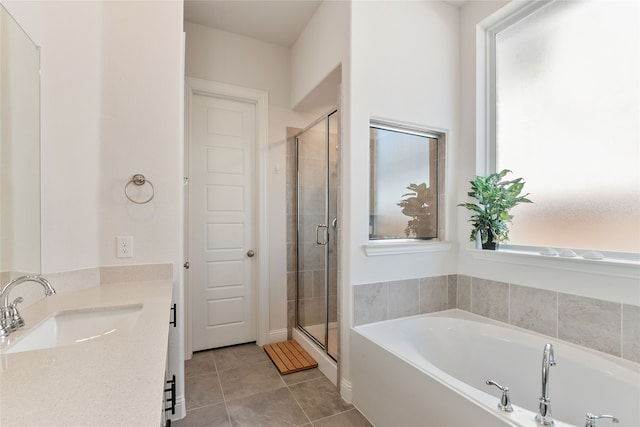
x=221 y=221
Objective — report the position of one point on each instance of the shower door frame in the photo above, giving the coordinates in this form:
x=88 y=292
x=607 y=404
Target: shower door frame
x=323 y=345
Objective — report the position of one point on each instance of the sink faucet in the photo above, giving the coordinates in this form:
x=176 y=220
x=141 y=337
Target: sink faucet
x=544 y=410
x=10 y=319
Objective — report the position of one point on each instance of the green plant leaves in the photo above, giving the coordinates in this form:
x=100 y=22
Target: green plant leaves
x=495 y=198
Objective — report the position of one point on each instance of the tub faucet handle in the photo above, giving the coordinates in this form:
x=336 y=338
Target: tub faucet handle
x=505 y=400
x=591 y=419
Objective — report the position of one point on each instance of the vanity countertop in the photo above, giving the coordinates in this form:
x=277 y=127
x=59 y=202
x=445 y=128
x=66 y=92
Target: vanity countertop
x=111 y=381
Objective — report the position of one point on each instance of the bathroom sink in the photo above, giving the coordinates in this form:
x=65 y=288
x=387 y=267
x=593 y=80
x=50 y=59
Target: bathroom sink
x=79 y=326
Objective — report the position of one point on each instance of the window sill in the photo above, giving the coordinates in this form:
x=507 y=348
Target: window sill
x=397 y=248
x=609 y=267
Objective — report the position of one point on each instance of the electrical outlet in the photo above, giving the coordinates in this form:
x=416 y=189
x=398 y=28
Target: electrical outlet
x=124 y=246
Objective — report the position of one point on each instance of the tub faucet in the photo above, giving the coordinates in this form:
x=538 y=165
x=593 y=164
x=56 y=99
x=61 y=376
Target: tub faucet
x=10 y=319
x=544 y=409
x=591 y=419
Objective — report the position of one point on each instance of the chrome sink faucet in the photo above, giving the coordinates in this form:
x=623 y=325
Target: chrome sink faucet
x=10 y=319
x=544 y=409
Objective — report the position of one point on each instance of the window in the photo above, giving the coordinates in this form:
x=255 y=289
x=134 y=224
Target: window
x=404 y=182
x=565 y=118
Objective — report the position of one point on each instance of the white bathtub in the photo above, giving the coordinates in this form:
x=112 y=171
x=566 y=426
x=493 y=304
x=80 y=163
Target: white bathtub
x=430 y=370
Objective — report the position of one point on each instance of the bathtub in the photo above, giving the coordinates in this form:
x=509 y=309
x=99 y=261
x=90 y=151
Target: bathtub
x=430 y=370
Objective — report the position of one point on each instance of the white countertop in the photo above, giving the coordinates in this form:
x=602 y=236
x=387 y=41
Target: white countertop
x=111 y=381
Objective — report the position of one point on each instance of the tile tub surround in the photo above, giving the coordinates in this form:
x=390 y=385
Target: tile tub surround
x=605 y=326
x=390 y=300
x=240 y=386
x=115 y=381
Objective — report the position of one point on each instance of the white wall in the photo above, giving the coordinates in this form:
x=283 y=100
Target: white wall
x=599 y=281
x=320 y=49
x=110 y=108
x=406 y=73
x=140 y=131
x=111 y=103
x=404 y=66
x=225 y=57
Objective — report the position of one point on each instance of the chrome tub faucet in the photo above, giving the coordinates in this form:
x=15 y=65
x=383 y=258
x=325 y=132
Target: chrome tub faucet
x=591 y=419
x=543 y=416
x=10 y=319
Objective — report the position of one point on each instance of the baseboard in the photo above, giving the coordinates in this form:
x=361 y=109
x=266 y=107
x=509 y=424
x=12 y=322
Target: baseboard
x=181 y=409
x=277 y=335
x=345 y=390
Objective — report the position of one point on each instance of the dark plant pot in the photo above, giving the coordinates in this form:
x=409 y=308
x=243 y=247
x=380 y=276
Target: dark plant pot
x=490 y=245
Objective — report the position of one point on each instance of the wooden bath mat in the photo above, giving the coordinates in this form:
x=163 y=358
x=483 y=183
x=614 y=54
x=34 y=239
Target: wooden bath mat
x=289 y=357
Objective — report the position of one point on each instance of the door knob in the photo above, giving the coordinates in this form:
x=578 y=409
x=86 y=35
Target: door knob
x=250 y=253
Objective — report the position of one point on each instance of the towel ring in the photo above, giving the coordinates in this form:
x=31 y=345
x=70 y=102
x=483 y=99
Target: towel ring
x=139 y=180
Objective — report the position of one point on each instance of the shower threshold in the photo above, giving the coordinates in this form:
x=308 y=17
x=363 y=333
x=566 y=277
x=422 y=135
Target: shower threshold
x=326 y=364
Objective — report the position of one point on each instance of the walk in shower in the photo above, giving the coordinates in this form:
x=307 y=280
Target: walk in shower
x=316 y=305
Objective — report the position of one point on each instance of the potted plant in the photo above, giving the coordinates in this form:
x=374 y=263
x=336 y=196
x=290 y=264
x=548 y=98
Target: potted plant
x=495 y=198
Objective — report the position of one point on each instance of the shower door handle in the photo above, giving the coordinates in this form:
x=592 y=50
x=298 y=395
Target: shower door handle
x=324 y=235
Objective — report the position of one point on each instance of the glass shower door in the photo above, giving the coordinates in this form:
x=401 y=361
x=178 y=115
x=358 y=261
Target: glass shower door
x=317 y=212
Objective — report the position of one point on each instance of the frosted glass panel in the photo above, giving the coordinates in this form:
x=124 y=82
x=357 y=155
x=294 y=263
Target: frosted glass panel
x=567 y=120
x=403 y=190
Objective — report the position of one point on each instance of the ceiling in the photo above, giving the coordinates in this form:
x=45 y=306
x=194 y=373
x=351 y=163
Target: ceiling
x=274 y=21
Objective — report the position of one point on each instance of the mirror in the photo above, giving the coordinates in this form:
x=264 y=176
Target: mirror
x=19 y=151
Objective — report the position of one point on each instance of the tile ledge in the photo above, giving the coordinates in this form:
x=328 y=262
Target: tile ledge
x=607 y=267
x=397 y=248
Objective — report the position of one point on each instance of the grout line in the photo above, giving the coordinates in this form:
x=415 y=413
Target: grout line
x=509 y=303
x=337 y=413
x=224 y=398
x=622 y=330
x=298 y=403
x=557 y=314
x=420 y=296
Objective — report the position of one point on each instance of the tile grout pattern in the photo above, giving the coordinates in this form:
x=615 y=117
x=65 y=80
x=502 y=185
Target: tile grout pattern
x=600 y=325
x=240 y=386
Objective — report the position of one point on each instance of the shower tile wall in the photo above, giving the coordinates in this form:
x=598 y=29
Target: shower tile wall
x=605 y=326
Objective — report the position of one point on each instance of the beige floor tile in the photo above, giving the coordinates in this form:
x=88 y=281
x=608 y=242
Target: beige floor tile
x=207 y=416
x=238 y=356
x=319 y=398
x=302 y=376
x=200 y=363
x=250 y=379
x=202 y=390
x=272 y=408
x=351 y=418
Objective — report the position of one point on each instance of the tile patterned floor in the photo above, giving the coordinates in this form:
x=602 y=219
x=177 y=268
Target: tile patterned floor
x=240 y=387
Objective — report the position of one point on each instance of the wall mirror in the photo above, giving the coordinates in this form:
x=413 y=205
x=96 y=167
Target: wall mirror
x=19 y=151
x=403 y=182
